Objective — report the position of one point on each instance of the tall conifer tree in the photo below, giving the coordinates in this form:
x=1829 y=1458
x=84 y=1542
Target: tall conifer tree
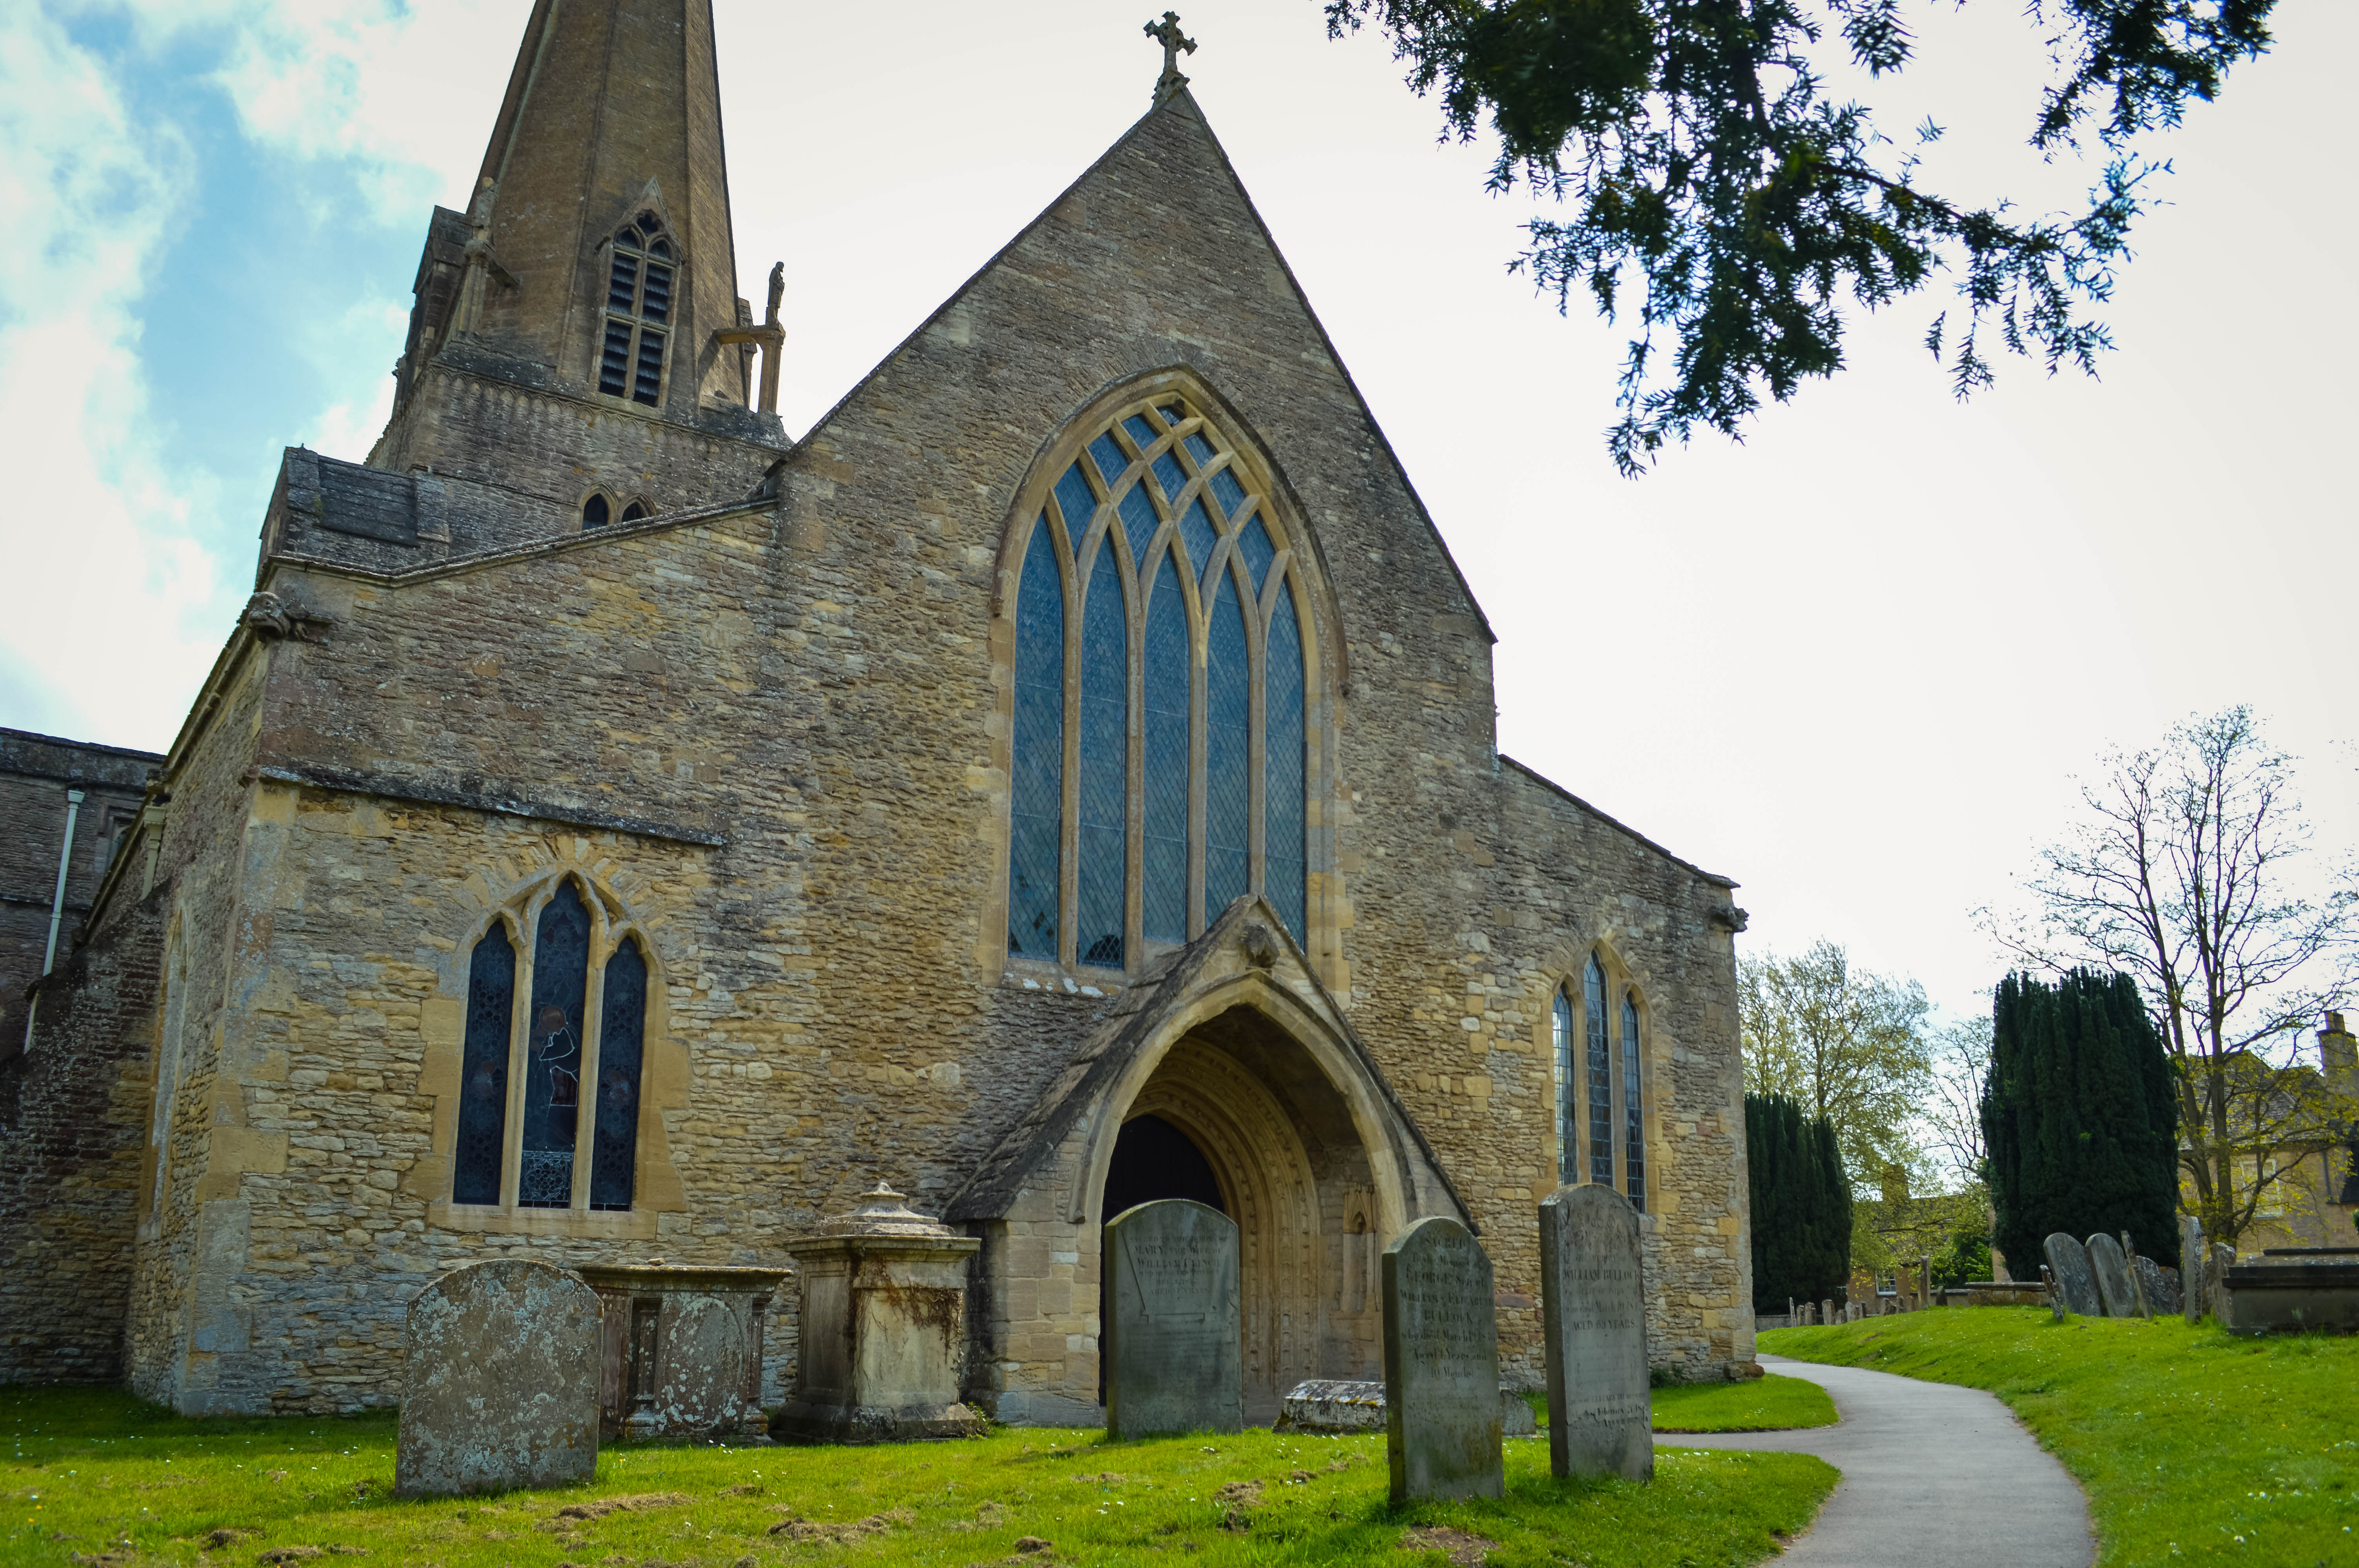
x=1802 y=1204
x=2079 y=1115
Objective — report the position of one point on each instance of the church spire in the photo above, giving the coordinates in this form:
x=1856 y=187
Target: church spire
x=602 y=262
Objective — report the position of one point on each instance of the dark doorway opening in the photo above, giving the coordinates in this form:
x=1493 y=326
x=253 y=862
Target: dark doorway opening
x=1152 y=1161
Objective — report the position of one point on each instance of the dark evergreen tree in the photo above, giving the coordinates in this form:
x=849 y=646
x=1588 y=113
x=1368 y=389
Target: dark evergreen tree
x=1802 y=1204
x=2079 y=1117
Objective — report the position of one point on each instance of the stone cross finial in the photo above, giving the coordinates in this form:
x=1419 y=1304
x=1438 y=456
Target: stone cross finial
x=1166 y=33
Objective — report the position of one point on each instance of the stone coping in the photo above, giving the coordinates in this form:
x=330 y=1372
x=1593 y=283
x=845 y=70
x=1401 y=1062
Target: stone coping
x=2350 y=1252
x=2303 y=1276
x=936 y=1244
x=717 y=1280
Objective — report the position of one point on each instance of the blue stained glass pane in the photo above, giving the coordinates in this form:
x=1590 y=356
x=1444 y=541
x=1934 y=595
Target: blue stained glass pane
x=1284 y=856
x=1077 y=502
x=1172 y=413
x=1199 y=448
x=1568 y=1126
x=1254 y=546
x=1600 y=1081
x=1145 y=434
x=1138 y=514
x=1109 y=458
x=1105 y=768
x=621 y=1031
x=552 y=1040
x=483 y=1072
x=1197 y=529
x=1170 y=475
x=1228 y=742
x=1229 y=493
x=1035 y=783
x=1164 y=884
x=1634 y=1135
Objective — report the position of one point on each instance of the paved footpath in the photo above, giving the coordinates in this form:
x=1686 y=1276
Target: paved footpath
x=1933 y=1475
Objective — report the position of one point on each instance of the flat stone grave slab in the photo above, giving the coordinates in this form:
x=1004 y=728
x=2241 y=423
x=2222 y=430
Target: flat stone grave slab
x=2067 y=1261
x=2112 y=1269
x=1339 y=1405
x=1173 y=1346
x=500 y=1381
x=1593 y=1327
x=1441 y=1366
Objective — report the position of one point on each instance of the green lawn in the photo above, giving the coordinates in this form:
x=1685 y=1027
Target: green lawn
x=84 y=1471
x=2194 y=1445
x=1758 y=1404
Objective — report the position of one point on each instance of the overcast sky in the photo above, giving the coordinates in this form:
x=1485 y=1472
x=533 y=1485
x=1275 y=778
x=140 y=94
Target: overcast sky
x=1852 y=663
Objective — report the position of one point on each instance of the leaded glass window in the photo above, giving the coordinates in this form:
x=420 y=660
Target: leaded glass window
x=526 y=1073
x=638 y=312
x=1037 y=785
x=1567 y=1128
x=1634 y=1134
x=1191 y=731
x=1601 y=1077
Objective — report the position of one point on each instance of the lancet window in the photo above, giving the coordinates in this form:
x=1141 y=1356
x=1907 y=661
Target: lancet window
x=638 y=311
x=1160 y=755
x=1595 y=1073
x=549 y=1077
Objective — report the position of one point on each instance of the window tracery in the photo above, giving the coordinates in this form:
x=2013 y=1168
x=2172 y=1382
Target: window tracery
x=524 y=1068
x=1180 y=705
x=638 y=311
x=1594 y=1072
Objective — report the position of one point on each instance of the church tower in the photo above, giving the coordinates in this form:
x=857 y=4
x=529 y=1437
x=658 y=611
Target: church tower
x=578 y=332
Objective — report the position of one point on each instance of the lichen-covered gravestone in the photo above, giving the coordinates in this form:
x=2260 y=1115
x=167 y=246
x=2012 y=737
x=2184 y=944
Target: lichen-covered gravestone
x=500 y=1388
x=2068 y=1261
x=2112 y=1269
x=2191 y=1268
x=1594 y=1312
x=1441 y=1366
x=1172 y=1340
x=2158 y=1284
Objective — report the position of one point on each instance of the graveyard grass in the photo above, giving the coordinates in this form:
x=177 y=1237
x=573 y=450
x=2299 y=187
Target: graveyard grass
x=1769 y=1403
x=2193 y=1444
x=85 y=1470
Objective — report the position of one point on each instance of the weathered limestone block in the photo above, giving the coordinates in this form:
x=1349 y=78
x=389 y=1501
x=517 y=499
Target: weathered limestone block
x=680 y=1355
x=1173 y=1361
x=1441 y=1366
x=1600 y=1420
x=501 y=1387
x=883 y=1328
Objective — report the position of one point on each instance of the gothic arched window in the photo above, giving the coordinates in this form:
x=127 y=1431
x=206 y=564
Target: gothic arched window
x=1601 y=1077
x=638 y=311
x=524 y=1114
x=1567 y=1128
x=1633 y=1133
x=1178 y=702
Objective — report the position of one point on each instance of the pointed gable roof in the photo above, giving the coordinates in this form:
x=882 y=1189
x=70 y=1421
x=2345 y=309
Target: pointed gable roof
x=1162 y=212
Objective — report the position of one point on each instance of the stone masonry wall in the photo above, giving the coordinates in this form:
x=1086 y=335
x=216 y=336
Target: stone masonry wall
x=35 y=772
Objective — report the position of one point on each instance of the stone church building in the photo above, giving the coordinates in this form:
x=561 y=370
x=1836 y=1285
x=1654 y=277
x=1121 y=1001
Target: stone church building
x=1063 y=777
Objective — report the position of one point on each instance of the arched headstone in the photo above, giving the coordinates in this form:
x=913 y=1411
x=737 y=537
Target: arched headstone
x=1441 y=1366
x=2112 y=1269
x=1593 y=1311
x=1173 y=1344
x=2068 y=1261
x=500 y=1386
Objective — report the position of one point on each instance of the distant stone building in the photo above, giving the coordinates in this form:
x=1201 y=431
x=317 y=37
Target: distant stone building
x=47 y=783
x=1062 y=778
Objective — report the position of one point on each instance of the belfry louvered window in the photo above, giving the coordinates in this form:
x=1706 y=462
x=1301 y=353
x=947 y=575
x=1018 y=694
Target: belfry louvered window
x=541 y=1084
x=1159 y=766
x=638 y=312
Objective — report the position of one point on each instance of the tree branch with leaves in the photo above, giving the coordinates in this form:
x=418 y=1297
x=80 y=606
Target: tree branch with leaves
x=1708 y=165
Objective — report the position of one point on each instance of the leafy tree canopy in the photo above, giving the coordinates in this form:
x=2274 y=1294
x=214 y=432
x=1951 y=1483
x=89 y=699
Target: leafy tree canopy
x=1706 y=160
x=1847 y=1045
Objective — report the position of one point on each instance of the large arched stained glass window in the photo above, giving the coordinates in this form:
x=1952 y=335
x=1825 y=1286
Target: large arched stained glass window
x=1192 y=739
x=1601 y=1077
x=577 y=1056
x=1634 y=1134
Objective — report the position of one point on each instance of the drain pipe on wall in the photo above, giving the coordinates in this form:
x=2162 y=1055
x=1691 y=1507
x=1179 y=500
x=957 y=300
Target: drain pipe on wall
x=56 y=906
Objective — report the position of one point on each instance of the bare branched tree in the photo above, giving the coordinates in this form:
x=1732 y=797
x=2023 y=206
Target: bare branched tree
x=1952 y=1111
x=2183 y=870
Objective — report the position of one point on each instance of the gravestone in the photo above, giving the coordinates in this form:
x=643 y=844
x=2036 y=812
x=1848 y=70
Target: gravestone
x=1827 y=1312
x=2215 y=1281
x=2055 y=1307
x=1332 y=1405
x=2142 y=1304
x=681 y=1351
x=2191 y=1268
x=500 y=1381
x=1174 y=1361
x=2112 y=1270
x=1441 y=1366
x=2068 y=1261
x=1594 y=1318
x=2158 y=1284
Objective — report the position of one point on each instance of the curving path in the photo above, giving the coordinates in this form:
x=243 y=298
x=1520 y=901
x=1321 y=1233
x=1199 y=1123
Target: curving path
x=1933 y=1475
